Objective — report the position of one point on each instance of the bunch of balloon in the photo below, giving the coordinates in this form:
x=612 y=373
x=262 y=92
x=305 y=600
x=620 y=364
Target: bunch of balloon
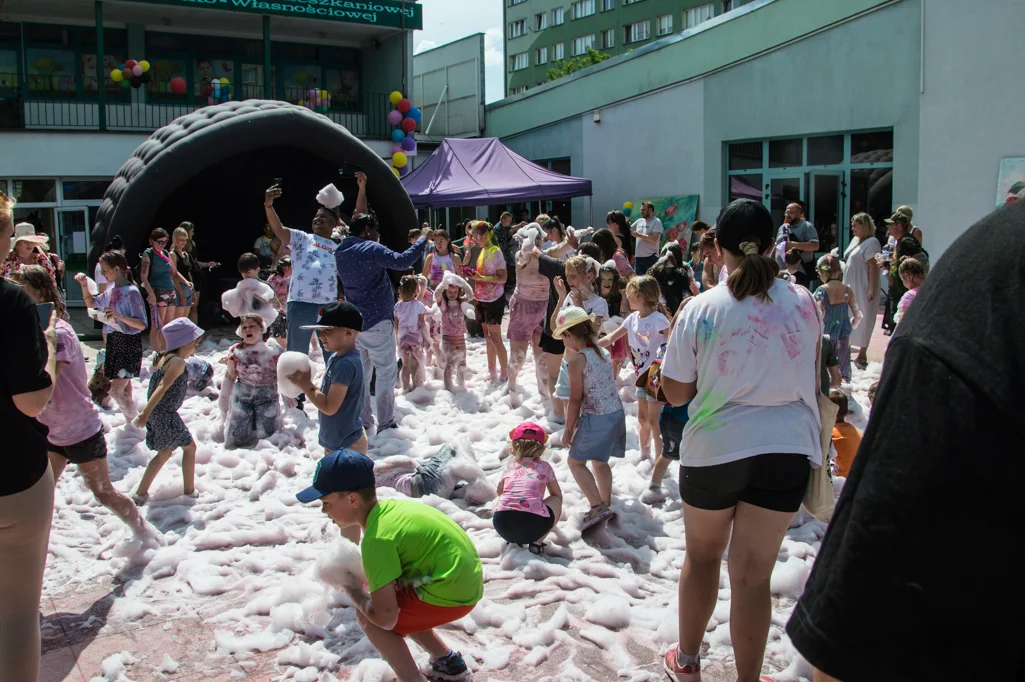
x=405 y=117
x=628 y=207
x=218 y=92
x=318 y=100
x=132 y=73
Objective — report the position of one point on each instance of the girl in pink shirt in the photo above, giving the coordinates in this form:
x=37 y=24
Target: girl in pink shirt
x=76 y=433
x=523 y=515
x=453 y=296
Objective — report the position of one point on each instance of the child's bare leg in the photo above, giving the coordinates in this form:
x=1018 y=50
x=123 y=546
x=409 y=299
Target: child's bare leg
x=393 y=650
x=554 y=365
x=656 y=433
x=152 y=469
x=585 y=481
x=659 y=472
x=540 y=366
x=517 y=355
x=603 y=475
x=414 y=369
x=189 y=468
x=121 y=392
x=555 y=504
x=644 y=429
x=430 y=642
x=97 y=478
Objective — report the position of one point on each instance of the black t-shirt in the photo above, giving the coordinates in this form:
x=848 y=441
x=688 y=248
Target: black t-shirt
x=924 y=553
x=551 y=268
x=23 y=366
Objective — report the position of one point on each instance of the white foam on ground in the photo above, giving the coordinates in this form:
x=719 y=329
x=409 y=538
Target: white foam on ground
x=253 y=561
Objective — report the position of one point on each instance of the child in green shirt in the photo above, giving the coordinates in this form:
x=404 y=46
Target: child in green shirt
x=422 y=568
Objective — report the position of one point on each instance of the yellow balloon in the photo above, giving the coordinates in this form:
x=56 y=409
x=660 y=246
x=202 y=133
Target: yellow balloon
x=224 y=81
x=398 y=159
x=395 y=97
x=145 y=65
x=116 y=76
x=396 y=171
x=628 y=204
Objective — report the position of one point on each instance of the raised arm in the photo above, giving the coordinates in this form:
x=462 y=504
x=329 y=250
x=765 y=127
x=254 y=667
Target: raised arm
x=392 y=260
x=563 y=292
x=361 y=197
x=280 y=231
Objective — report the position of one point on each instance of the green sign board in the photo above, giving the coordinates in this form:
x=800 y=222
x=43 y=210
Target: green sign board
x=391 y=13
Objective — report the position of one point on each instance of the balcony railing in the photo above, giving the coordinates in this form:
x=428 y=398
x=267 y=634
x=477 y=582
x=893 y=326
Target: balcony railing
x=54 y=106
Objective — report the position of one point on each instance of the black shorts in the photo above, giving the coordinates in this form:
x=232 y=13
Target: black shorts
x=89 y=450
x=523 y=528
x=772 y=481
x=124 y=356
x=491 y=312
x=552 y=345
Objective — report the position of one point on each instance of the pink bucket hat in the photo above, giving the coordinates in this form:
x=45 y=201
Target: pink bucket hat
x=179 y=332
x=529 y=430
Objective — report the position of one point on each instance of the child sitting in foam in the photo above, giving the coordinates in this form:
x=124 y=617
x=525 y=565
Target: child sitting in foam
x=524 y=515
x=249 y=397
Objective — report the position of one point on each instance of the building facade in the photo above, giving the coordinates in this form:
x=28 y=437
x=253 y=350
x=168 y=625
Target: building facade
x=540 y=33
x=844 y=105
x=66 y=126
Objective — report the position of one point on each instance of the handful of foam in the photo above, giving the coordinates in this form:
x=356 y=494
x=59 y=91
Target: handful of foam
x=250 y=296
x=289 y=363
x=612 y=324
x=342 y=567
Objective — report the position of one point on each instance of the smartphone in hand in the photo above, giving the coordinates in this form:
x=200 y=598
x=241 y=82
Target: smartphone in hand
x=277 y=182
x=44 y=310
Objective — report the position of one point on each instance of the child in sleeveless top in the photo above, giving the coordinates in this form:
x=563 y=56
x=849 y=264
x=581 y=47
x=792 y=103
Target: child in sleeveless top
x=839 y=310
x=595 y=420
x=440 y=260
x=411 y=333
x=523 y=515
x=577 y=290
x=453 y=296
x=610 y=287
x=165 y=429
x=249 y=396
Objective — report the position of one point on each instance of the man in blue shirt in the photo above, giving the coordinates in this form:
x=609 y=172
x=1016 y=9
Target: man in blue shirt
x=363 y=265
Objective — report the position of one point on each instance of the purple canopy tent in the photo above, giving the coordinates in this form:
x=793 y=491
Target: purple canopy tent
x=483 y=172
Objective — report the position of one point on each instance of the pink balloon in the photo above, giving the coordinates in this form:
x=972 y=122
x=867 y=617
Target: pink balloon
x=394 y=117
x=211 y=100
x=137 y=70
x=396 y=148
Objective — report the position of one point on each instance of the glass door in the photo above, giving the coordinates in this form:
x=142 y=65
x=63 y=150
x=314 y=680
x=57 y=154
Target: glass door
x=828 y=191
x=780 y=191
x=73 y=245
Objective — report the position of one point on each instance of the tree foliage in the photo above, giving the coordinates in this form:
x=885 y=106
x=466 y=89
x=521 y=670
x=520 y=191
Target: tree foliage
x=564 y=67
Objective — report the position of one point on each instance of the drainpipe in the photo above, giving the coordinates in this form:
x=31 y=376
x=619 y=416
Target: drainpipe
x=101 y=84
x=267 y=85
x=403 y=20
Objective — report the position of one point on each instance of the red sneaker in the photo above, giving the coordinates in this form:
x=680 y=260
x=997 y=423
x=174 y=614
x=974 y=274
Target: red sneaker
x=680 y=673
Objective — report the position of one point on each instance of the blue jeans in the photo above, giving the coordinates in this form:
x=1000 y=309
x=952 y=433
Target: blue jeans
x=643 y=263
x=300 y=313
x=377 y=351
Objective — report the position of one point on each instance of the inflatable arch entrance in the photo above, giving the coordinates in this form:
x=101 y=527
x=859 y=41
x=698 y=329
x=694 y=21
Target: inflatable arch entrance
x=190 y=144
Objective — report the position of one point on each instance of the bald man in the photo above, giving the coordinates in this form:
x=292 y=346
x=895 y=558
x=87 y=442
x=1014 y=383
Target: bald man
x=797 y=233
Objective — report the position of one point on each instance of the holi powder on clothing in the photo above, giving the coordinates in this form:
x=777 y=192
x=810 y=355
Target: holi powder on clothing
x=263 y=571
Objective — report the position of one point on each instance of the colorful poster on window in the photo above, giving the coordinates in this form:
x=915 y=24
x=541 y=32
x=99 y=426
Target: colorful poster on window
x=50 y=70
x=8 y=69
x=205 y=70
x=343 y=84
x=677 y=215
x=1010 y=181
x=89 y=77
x=298 y=79
x=163 y=71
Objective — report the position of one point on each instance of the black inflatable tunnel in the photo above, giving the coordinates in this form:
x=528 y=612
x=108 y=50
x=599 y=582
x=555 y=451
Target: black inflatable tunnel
x=193 y=143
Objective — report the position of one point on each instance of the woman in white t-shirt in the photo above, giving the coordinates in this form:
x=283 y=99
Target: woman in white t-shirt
x=746 y=354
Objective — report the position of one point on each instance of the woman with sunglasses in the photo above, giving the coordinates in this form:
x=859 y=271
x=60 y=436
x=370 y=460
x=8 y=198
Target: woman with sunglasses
x=158 y=276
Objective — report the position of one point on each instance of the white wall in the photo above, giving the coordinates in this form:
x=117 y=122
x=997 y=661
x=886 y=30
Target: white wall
x=52 y=154
x=459 y=66
x=971 y=112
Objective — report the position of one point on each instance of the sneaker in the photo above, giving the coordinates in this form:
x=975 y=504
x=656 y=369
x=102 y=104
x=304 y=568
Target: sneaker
x=449 y=667
x=677 y=672
x=596 y=515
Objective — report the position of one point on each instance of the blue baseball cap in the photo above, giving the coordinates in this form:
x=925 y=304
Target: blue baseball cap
x=342 y=471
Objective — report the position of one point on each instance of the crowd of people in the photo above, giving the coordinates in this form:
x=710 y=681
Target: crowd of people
x=735 y=344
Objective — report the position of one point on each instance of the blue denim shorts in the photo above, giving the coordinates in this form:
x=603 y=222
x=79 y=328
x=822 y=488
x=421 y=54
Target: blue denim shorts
x=639 y=393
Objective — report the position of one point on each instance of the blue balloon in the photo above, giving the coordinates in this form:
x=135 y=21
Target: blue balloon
x=397 y=135
x=627 y=212
x=415 y=114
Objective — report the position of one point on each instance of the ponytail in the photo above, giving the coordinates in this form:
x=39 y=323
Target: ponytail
x=754 y=276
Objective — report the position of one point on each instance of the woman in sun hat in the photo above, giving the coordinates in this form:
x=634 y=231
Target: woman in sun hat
x=595 y=420
x=27 y=248
x=165 y=429
x=523 y=515
x=746 y=352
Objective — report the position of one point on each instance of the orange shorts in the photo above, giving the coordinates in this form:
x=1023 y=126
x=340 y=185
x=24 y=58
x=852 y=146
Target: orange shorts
x=417 y=616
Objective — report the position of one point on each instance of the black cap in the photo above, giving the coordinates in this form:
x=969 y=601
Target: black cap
x=338 y=314
x=342 y=471
x=741 y=221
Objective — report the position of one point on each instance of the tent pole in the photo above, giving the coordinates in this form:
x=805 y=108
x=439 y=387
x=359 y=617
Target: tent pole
x=590 y=209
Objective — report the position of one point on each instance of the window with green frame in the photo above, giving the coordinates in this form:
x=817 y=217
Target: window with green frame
x=61 y=62
x=295 y=68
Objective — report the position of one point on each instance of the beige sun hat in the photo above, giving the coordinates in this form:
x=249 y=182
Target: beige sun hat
x=570 y=317
x=26 y=232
